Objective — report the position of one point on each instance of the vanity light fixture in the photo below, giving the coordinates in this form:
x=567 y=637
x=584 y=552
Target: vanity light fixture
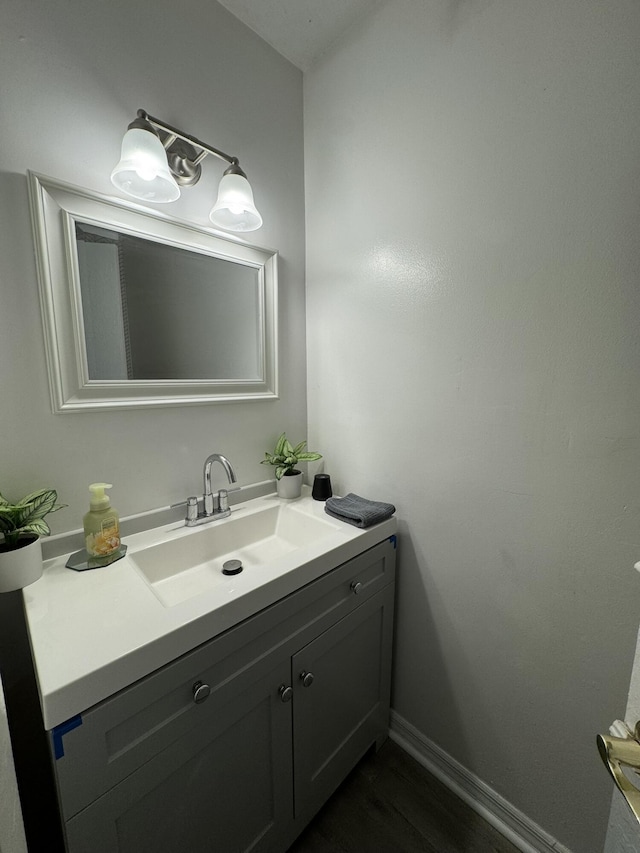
x=157 y=159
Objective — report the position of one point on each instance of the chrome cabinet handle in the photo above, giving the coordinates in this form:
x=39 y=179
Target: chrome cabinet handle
x=356 y=587
x=286 y=693
x=306 y=678
x=201 y=691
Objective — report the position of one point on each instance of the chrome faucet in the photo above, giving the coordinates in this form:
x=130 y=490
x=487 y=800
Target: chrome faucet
x=214 y=506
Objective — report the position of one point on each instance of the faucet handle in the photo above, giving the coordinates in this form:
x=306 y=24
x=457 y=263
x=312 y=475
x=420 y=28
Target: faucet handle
x=192 y=508
x=223 y=498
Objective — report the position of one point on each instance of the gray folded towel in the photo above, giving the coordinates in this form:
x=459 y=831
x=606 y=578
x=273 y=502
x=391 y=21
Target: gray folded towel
x=358 y=511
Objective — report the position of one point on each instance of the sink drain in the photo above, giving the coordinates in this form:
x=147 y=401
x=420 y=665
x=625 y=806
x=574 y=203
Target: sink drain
x=232 y=567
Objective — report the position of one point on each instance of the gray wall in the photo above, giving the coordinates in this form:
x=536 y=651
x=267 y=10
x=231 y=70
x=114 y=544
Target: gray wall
x=74 y=73
x=474 y=357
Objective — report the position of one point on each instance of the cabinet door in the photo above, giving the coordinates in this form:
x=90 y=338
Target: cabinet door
x=344 y=707
x=224 y=786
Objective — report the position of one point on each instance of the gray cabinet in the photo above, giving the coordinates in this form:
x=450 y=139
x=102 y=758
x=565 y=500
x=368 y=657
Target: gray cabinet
x=296 y=695
x=227 y=779
x=344 y=707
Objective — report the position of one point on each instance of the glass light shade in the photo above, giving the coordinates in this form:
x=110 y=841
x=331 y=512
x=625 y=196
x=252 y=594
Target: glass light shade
x=143 y=171
x=234 y=209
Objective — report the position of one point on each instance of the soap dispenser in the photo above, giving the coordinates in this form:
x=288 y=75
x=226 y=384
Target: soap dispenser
x=101 y=523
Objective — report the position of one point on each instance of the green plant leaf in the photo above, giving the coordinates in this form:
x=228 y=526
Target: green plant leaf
x=37 y=505
x=7 y=519
x=286 y=456
x=36 y=498
x=39 y=526
x=4 y=501
x=27 y=515
x=280 y=444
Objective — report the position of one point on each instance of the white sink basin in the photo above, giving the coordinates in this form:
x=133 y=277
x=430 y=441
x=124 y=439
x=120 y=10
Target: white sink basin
x=168 y=594
x=190 y=565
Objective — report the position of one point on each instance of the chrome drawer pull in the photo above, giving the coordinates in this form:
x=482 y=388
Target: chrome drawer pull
x=286 y=693
x=201 y=692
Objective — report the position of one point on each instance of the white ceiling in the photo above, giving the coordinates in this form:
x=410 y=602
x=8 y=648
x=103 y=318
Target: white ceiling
x=301 y=30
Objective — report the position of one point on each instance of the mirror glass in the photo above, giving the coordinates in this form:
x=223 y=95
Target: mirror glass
x=152 y=311
x=143 y=310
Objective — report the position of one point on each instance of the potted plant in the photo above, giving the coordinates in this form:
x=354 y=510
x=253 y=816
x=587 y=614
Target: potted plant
x=21 y=525
x=285 y=457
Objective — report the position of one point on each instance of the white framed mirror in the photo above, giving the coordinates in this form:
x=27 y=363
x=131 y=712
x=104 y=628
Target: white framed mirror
x=140 y=309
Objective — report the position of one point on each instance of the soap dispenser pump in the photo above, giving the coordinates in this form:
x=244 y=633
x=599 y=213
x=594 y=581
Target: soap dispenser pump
x=101 y=523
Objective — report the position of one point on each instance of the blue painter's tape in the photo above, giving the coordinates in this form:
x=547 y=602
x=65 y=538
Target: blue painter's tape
x=62 y=729
x=394 y=541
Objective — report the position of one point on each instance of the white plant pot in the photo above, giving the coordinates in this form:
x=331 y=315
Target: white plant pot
x=20 y=566
x=289 y=487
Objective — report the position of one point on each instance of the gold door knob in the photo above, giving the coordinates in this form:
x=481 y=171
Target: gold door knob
x=618 y=752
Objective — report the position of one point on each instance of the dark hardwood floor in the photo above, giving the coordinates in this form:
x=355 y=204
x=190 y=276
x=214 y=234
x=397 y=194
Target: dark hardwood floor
x=391 y=804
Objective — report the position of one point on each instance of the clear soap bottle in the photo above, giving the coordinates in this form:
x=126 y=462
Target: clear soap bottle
x=101 y=524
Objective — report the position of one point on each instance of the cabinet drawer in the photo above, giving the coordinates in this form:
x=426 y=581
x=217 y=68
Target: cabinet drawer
x=96 y=750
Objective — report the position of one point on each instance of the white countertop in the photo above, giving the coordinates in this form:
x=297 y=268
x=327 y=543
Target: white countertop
x=95 y=632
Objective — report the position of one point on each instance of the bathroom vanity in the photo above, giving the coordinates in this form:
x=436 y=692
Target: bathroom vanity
x=272 y=683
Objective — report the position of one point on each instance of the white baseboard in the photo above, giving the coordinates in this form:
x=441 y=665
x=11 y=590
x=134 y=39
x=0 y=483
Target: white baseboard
x=526 y=835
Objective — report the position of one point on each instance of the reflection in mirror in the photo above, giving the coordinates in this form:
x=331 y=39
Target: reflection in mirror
x=152 y=311
x=140 y=309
